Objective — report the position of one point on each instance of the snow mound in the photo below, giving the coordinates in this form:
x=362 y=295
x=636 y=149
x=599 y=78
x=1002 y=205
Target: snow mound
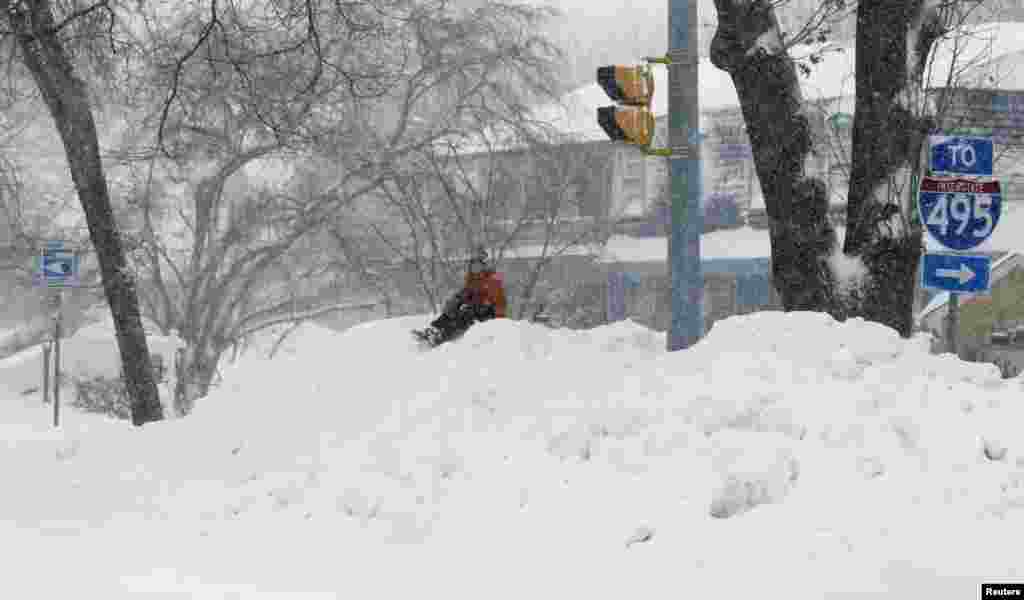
x=788 y=447
x=93 y=351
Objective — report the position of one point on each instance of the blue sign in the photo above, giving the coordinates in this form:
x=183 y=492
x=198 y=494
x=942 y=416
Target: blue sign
x=958 y=213
x=957 y=272
x=960 y=155
x=57 y=266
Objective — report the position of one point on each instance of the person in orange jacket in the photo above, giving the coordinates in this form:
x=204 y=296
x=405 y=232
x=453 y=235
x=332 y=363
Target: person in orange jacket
x=482 y=298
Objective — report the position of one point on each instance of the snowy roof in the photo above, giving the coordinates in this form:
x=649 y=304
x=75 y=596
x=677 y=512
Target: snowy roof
x=998 y=45
x=739 y=243
x=743 y=242
x=748 y=242
x=988 y=50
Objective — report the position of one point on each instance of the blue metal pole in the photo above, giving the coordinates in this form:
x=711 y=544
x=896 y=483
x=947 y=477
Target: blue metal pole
x=685 y=177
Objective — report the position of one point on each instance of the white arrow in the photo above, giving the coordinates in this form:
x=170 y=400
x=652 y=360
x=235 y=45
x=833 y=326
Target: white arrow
x=56 y=267
x=964 y=273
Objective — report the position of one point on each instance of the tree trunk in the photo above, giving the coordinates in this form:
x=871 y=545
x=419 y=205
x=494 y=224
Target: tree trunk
x=891 y=124
x=530 y=287
x=748 y=46
x=195 y=368
x=886 y=143
x=67 y=99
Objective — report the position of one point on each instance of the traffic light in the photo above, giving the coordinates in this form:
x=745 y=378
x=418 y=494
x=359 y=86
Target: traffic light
x=628 y=124
x=627 y=85
x=633 y=88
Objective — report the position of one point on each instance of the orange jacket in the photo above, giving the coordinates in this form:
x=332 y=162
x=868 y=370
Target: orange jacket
x=486 y=288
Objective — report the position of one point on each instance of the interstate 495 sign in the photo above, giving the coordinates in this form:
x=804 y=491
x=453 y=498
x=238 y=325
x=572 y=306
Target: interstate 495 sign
x=960 y=214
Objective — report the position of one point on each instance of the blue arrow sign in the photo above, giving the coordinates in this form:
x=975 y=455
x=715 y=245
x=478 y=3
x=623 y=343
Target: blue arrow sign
x=958 y=213
x=57 y=266
x=960 y=155
x=957 y=272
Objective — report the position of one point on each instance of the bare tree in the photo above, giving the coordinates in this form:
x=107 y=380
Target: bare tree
x=483 y=197
x=958 y=66
x=342 y=99
x=892 y=119
x=557 y=209
x=43 y=46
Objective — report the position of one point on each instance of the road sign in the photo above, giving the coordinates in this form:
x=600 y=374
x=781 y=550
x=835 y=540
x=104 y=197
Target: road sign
x=960 y=155
x=57 y=266
x=958 y=213
x=957 y=272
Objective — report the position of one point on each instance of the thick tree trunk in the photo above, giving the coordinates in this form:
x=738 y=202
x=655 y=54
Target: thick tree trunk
x=65 y=95
x=748 y=46
x=893 y=41
x=891 y=123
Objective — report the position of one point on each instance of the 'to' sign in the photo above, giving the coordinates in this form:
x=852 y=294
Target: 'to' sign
x=958 y=213
x=960 y=155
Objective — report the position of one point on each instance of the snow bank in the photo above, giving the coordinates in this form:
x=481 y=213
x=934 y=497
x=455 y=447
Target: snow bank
x=810 y=456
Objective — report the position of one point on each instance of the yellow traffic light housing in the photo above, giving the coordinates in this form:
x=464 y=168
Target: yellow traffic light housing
x=629 y=124
x=633 y=86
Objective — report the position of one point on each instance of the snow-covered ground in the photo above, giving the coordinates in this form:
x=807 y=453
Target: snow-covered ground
x=785 y=456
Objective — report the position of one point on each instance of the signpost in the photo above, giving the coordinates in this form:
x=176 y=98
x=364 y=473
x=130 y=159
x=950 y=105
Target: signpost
x=959 y=214
x=56 y=269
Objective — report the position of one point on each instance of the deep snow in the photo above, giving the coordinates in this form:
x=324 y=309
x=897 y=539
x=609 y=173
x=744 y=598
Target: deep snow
x=786 y=455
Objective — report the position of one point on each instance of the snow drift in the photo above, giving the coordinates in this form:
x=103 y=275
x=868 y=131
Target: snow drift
x=786 y=454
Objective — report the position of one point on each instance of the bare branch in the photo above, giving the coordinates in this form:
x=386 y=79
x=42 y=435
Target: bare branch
x=178 y=67
x=82 y=12
x=303 y=316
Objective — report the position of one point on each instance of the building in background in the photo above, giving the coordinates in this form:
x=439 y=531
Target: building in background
x=632 y=192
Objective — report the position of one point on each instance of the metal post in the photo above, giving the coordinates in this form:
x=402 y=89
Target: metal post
x=953 y=324
x=687 y=297
x=56 y=362
x=47 y=348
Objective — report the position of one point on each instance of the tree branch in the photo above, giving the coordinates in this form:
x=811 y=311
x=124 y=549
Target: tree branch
x=304 y=316
x=81 y=13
